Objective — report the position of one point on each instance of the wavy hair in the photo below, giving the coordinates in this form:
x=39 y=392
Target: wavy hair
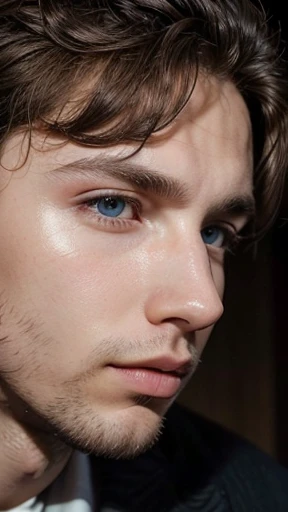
x=104 y=72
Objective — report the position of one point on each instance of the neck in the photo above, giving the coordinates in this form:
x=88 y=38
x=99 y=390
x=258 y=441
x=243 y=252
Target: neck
x=30 y=460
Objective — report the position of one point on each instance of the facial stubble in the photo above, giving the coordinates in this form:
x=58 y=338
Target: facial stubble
x=67 y=416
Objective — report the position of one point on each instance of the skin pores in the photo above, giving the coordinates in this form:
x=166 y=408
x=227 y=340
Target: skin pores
x=109 y=287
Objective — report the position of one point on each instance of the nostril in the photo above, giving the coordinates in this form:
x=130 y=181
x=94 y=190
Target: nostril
x=175 y=320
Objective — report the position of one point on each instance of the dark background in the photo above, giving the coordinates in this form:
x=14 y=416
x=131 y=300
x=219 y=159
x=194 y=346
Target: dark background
x=279 y=272
x=242 y=382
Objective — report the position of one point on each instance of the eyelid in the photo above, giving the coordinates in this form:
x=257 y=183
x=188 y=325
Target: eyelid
x=132 y=202
x=221 y=224
x=103 y=192
x=237 y=222
x=231 y=237
x=87 y=203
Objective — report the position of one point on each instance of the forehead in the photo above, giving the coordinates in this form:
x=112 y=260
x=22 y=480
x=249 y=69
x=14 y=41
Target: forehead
x=209 y=141
x=211 y=137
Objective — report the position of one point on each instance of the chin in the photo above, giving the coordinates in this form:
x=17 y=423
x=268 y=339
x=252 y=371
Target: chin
x=123 y=433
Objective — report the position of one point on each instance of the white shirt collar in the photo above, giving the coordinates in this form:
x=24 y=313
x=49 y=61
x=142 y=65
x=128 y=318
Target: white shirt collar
x=72 y=491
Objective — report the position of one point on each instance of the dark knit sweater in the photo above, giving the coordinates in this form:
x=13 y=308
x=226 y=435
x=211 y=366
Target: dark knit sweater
x=196 y=466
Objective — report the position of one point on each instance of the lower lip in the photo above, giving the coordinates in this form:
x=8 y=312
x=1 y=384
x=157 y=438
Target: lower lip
x=149 y=382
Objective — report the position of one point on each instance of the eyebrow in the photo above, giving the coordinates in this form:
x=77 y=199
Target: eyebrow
x=136 y=175
x=143 y=179
x=243 y=205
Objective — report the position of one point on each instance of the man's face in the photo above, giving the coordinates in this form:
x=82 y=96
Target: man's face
x=111 y=273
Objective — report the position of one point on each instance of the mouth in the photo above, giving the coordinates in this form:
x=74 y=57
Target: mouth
x=159 y=378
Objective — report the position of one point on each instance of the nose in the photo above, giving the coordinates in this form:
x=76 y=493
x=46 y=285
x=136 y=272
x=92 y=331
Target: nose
x=185 y=289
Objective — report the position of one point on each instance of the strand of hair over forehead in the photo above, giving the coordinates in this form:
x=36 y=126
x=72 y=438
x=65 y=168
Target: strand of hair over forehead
x=139 y=31
x=103 y=72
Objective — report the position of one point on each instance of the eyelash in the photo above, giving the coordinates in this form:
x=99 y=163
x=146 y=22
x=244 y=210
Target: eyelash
x=231 y=238
x=113 y=222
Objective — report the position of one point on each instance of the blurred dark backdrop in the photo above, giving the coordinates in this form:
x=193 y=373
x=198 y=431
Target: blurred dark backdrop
x=242 y=381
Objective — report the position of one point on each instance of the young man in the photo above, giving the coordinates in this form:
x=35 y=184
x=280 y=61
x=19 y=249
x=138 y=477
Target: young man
x=140 y=141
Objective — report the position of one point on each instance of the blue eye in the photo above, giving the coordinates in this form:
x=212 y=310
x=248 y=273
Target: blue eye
x=111 y=206
x=213 y=235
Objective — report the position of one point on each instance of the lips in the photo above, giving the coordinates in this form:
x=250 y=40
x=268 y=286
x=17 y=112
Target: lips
x=168 y=364
x=159 y=377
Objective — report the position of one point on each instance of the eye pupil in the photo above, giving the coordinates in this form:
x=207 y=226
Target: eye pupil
x=111 y=206
x=212 y=235
x=110 y=202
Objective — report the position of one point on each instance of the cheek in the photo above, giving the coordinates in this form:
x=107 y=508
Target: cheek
x=218 y=275
x=90 y=288
x=55 y=261
x=88 y=273
x=76 y=298
x=76 y=304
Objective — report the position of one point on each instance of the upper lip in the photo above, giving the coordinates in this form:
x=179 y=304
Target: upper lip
x=163 y=364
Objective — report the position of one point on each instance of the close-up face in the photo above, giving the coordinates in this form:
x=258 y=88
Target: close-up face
x=111 y=270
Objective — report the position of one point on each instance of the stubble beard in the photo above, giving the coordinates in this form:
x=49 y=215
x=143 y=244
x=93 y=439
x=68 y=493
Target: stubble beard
x=67 y=416
x=122 y=434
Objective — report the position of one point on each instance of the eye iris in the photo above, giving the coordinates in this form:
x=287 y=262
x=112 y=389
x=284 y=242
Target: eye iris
x=210 y=235
x=111 y=206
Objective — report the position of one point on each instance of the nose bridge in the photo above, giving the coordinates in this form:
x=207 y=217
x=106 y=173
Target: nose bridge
x=184 y=285
x=190 y=267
